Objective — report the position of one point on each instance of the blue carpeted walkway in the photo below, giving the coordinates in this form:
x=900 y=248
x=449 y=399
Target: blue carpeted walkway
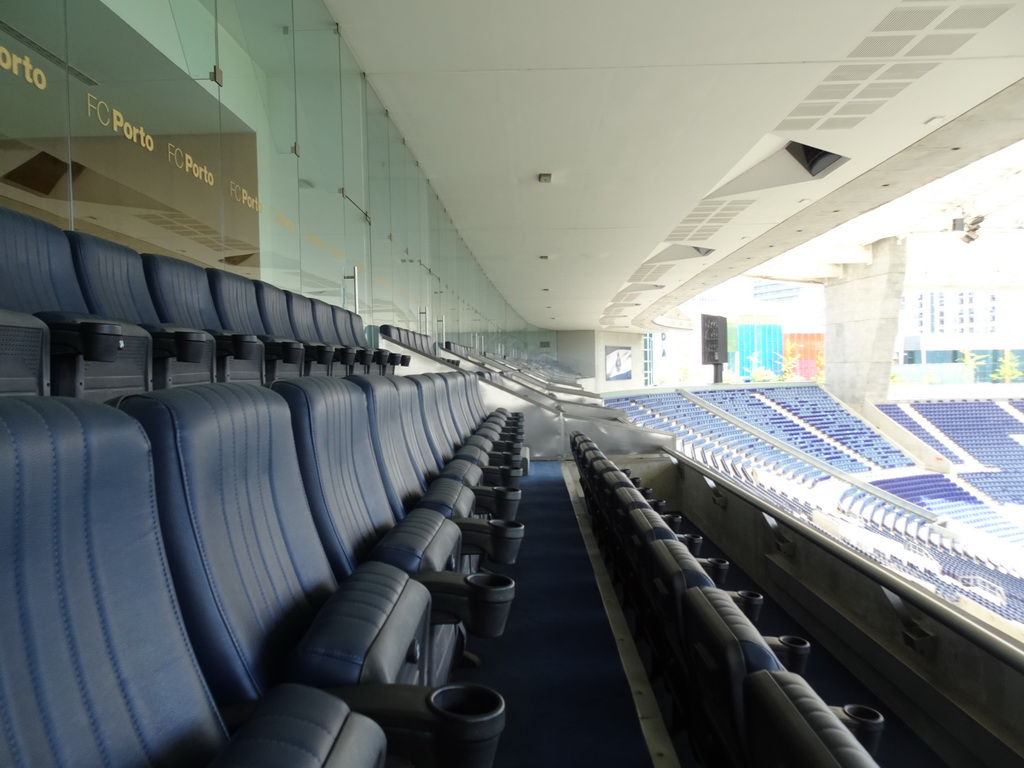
x=557 y=665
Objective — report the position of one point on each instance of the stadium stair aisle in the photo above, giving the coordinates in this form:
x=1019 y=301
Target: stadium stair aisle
x=569 y=702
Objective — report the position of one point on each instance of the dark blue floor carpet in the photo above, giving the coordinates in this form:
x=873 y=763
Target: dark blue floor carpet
x=557 y=665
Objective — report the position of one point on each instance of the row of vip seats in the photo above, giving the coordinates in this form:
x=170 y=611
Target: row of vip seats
x=250 y=575
x=740 y=697
x=417 y=341
x=85 y=317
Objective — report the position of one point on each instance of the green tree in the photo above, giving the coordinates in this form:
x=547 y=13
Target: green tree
x=973 y=360
x=790 y=361
x=758 y=372
x=1008 y=368
x=819 y=367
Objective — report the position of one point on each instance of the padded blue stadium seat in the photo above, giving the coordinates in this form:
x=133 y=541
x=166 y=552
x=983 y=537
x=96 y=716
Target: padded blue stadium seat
x=346 y=492
x=113 y=283
x=275 y=307
x=24 y=354
x=435 y=411
x=98 y=670
x=348 y=496
x=351 y=328
x=396 y=417
x=234 y=297
x=788 y=724
x=181 y=295
x=722 y=648
x=257 y=591
x=345 y=357
x=91 y=356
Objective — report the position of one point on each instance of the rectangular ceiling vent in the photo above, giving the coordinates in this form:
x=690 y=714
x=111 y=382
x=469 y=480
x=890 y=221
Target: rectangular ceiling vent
x=972 y=17
x=910 y=19
x=852 y=72
x=940 y=45
x=650 y=272
x=880 y=46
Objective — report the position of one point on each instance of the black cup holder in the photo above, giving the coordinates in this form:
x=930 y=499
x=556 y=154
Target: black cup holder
x=675 y=522
x=506 y=536
x=792 y=651
x=750 y=603
x=244 y=346
x=452 y=726
x=189 y=346
x=292 y=352
x=694 y=542
x=466 y=703
x=100 y=341
x=865 y=723
x=716 y=568
x=490 y=599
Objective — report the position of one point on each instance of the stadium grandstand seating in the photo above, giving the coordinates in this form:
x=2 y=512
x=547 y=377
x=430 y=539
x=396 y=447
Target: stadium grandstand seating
x=703 y=637
x=895 y=412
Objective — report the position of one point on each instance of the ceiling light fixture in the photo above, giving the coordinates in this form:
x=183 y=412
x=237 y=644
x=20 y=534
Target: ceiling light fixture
x=544 y=178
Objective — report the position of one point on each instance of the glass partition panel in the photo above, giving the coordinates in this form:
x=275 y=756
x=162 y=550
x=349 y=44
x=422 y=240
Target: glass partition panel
x=353 y=115
x=35 y=173
x=405 y=314
x=256 y=45
x=321 y=169
x=145 y=134
x=380 y=293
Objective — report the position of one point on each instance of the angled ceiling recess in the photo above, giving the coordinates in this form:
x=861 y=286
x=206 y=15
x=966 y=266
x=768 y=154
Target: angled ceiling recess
x=844 y=99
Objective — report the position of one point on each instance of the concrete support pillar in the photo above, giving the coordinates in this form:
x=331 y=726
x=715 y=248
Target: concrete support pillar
x=861 y=317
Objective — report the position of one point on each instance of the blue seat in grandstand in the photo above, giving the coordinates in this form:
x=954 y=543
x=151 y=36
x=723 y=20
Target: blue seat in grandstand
x=498 y=468
x=287 y=314
x=258 y=595
x=181 y=295
x=345 y=357
x=234 y=297
x=352 y=330
x=24 y=354
x=332 y=432
x=412 y=476
x=113 y=284
x=98 y=670
x=90 y=355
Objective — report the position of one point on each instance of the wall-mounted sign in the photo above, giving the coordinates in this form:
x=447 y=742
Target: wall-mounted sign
x=618 y=363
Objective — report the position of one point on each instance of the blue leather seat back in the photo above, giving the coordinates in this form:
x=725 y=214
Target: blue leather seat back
x=96 y=666
x=723 y=648
x=343 y=320
x=36 y=271
x=403 y=482
x=273 y=307
x=419 y=434
x=112 y=279
x=246 y=560
x=343 y=482
x=437 y=413
x=358 y=331
x=300 y=313
x=180 y=292
x=234 y=296
x=323 y=316
x=788 y=724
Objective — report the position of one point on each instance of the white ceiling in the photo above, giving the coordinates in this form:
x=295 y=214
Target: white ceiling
x=642 y=110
